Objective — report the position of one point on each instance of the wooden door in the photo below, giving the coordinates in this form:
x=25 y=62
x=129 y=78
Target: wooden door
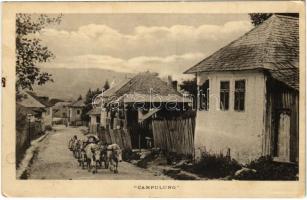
x=283 y=145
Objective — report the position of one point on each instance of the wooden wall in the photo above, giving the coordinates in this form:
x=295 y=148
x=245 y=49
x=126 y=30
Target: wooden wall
x=174 y=135
x=172 y=132
x=281 y=98
x=118 y=136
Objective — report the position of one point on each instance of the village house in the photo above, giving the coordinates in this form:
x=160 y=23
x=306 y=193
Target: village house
x=47 y=115
x=61 y=112
x=74 y=113
x=248 y=94
x=33 y=117
x=98 y=113
x=145 y=112
x=39 y=105
x=30 y=103
x=95 y=116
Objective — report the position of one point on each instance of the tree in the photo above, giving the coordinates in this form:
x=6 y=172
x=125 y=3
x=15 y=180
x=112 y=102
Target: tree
x=258 y=18
x=106 y=85
x=80 y=97
x=90 y=95
x=190 y=86
x=30 y=51
x=88 y=105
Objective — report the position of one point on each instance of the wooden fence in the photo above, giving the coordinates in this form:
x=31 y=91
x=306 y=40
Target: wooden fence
x=118 y=136
x=24 y=135
x=93 y=128
x=174 y=135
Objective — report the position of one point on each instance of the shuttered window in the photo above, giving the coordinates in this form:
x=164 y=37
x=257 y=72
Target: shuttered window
x=239 y=104
x=204 y=96
x=224 y=95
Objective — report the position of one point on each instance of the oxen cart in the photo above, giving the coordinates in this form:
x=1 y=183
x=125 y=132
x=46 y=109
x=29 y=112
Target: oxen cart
x=93 y=153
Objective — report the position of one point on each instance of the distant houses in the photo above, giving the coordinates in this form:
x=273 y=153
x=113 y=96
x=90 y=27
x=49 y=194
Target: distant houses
x=249 y=92
x=61 y=112
x=68 y=113
x=39 y=105
x=75 y=112
x=33 y=118
x=41 y=109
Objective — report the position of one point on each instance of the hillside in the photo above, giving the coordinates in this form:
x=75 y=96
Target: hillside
x=70 y=83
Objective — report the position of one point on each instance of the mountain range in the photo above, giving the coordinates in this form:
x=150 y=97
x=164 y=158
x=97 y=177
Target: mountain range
x=70 y=83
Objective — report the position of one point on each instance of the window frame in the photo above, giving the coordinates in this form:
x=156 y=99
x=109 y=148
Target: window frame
x=204 y=101
x=239 y=91
x=224 y=91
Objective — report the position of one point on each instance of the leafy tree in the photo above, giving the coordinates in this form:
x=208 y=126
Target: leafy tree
x=106 y=85
x=88 y=105
x=80 y=97
x=190 y=86
x=90 y=95
x=258 y=18
x=30 y=51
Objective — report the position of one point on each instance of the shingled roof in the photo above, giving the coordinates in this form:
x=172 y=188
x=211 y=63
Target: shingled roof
x=272 y=46
x=42 y=99
x=29 y=100
x=145 y=86
x=77 y=104
x=146 y=83
x=112 y=91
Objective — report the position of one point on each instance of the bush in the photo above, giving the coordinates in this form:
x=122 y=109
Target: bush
x=267 y=169
x=129 y=155
x=214 y=166
x=143 y=162
x=173 y=157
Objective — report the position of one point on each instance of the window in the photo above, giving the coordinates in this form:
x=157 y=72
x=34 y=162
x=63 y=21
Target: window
x=239 y=95
x=204 y=96
x=224 y=95
x=98 y=119
x=78 y=112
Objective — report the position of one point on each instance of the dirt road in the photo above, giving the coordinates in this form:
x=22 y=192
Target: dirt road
x=54 y=161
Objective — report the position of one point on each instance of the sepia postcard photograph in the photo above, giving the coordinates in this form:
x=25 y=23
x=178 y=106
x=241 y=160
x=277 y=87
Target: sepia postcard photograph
x=170 y=101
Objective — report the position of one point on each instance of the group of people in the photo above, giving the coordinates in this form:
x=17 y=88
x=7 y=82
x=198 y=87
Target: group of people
x=91 y=152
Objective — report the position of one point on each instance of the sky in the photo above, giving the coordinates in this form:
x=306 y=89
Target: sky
x=165 y=43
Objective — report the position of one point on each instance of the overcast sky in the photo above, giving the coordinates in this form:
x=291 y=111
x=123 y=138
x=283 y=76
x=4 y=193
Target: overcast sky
x=165 y=43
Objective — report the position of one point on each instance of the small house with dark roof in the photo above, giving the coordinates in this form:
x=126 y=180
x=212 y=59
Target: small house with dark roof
x=146 y=112
x=75 y=112
x=249 y=94
x=38 y=104
x=46 y=116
